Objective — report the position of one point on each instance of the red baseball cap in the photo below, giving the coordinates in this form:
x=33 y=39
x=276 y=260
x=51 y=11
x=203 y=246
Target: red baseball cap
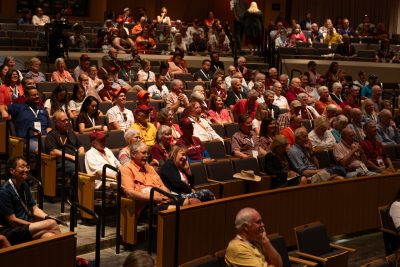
x=97 y=135
x=142 y=94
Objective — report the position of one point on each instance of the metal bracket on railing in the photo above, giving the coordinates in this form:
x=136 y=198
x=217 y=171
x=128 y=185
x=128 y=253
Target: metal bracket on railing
x=74 y=207
x=103 y=203
x=176 y=199
x=38 y=172
x=74 y=179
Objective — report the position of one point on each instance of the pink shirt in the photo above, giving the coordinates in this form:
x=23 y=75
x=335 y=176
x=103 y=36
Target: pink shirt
x=64 y=77
x=222 y=117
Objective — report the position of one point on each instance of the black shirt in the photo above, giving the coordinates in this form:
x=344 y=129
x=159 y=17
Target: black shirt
x=55 y=140
x=10 y=202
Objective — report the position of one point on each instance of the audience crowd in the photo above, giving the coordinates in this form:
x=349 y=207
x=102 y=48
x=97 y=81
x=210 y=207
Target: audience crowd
x=285 y=121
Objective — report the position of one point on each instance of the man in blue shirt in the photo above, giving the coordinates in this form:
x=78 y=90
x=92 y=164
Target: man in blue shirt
x=22 y=219
x=29 y=114
x=366 y=91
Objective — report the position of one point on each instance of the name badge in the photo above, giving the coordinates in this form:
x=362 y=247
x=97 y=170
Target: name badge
x=37 y=125
x=380 y=163
x=254 y=153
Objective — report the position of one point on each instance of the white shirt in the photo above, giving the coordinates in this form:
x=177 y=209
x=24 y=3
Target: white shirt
x=327 y=141
x=394 y=212
x=204 y=131
x=228 y=80
x=92 y=84
x=94 y=161
x=255 y=124
x=146 y=76
x=114 y=114
x=40 y=21
x=47 y=105
x=78 y=71
x=281 y=102
x=75 y=106
x=155 y=93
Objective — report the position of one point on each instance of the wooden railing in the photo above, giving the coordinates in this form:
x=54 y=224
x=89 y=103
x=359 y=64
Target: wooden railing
x=345 y=207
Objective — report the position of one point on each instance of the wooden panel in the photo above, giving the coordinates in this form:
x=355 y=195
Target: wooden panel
x=193 y=223
x=345 y=207
x=128 y=218
x=57 y=251
x=16 y=147
x=49 y=175
x=86 y=192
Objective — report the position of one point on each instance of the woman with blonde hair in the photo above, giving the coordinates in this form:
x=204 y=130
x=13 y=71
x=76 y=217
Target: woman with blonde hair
x=177 y=177
x=277 y=164
x=253 y=25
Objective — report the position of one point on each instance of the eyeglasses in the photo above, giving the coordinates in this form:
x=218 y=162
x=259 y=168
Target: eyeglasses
x=64 y=121
x=25 y=167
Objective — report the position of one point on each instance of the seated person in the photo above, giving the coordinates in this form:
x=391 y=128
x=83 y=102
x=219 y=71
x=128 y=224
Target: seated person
x=28 y=114
x=131 y=136
x=138 y=177
x=166 y=117
x=324 y=99
x=195 y=150
x=60 y=136
x=204 y=74
x=109 y=91
x=89 y=119
x=119 y=117
x=288 y=132
x=61 y=75
x=305 y=163
x=339 y=123
x=273 y=111
x=34 y=72
x=251 y=246
x=202 y=129
x=161 y=150
x=99 y=155
x=58 y=101
x=268 y=130
x=321 y=137
x=158 y=90
x=145 y=74
x=245 y=142
x=146 y=129
x=217 y=113
x=21 y=218
x=356 y=124
x=377 y=159
x=176 y=66
x=144 y=41
x=307 y=112
x=350 y=155
x=248 y=105
x=11 y=88
x=122 y=42
x=76 y=100
x=387 y=132
x=199 y=44
x=277 y=163
x=176 y=100
x=177 y=176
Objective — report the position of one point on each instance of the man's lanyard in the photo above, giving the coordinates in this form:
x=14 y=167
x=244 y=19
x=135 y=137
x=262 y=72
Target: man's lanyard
x=20 y=199
x=205 y=75
x=34 y=113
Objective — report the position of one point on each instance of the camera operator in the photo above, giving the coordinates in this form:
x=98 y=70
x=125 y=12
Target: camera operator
x=279 y=36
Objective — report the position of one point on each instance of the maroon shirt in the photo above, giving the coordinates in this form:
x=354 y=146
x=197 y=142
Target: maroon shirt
x=195 y=150
x=373 y=149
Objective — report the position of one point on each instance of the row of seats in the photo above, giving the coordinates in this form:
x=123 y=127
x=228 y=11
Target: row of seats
x=314 y=247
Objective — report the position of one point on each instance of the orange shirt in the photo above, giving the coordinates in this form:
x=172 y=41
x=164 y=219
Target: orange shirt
x=289 y=134
x=5 y=94
x=321 y=106
x=135 y=180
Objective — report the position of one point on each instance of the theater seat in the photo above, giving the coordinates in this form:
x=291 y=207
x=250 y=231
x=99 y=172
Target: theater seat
x=201 y=179
x=222 y=171
x=278 y=242
x=252 y=164
x=390 y=236
x=216 y=149
x=313 y=244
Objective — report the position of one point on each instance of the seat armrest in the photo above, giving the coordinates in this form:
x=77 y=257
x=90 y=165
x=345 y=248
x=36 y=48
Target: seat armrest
x=388 y=231
x=341 y=247
x=301 y=261
x=312 y=257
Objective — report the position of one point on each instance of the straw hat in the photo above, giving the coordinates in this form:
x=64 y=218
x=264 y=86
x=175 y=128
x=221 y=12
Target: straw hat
x=247 y=175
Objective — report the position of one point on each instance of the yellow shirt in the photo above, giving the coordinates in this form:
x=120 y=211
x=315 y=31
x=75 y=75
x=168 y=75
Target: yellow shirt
x=243 y=254
x=147 y=134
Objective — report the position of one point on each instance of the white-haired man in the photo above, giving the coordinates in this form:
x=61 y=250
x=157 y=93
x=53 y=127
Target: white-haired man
x=251 y=246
